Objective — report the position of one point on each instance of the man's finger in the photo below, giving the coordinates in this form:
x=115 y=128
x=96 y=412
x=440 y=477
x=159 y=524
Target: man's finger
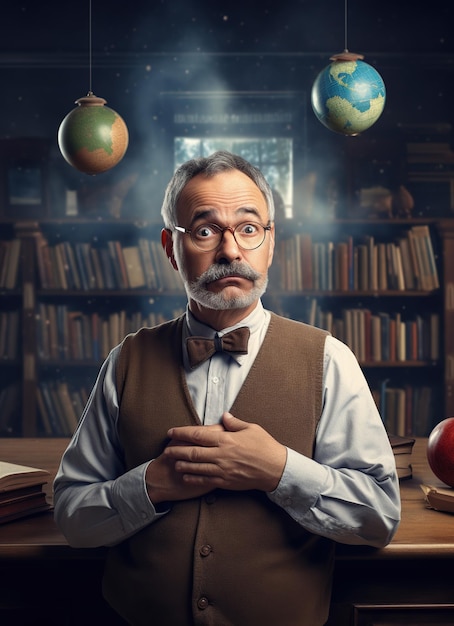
x=198 y=435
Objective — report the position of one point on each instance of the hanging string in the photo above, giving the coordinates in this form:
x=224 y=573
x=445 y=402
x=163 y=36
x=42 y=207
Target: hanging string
x=90 y=92
x=345 y=26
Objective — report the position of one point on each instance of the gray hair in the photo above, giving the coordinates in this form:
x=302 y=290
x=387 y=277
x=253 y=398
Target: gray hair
x=217 y=162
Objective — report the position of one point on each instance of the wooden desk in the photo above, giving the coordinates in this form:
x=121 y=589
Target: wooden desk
x=408 y=582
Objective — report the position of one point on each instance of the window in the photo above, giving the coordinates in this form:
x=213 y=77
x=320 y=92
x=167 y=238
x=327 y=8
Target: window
x=264 y=128
x=272 y=155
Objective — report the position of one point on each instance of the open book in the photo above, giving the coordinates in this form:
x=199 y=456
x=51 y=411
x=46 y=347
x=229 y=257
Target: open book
x=439 y=498
x=14 y=476
x=21 y=491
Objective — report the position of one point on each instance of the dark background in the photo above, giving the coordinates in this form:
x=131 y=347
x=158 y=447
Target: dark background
x=144 y=54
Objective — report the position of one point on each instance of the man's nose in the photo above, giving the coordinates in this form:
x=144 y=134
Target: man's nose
x=228 y=248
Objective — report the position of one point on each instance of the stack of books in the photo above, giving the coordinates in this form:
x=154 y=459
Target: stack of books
x=21 y=491
x=402 y=448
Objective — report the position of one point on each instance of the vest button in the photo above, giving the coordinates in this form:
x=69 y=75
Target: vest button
x=202 y=603
x=210 y=498
x=206 y=550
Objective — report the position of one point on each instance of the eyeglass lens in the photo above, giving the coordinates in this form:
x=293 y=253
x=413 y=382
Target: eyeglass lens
x=248 y=235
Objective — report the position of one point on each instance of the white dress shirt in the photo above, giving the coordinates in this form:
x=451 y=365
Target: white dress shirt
x=348 y=492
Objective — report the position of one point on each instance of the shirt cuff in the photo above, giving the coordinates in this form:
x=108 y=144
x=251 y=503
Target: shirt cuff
x=300 y=485
x=131 y=500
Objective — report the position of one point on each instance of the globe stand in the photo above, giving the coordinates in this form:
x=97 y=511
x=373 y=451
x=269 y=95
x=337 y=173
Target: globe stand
x=347 y=56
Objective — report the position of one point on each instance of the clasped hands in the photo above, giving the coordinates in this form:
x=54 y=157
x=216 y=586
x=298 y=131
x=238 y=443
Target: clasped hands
x=234 y=455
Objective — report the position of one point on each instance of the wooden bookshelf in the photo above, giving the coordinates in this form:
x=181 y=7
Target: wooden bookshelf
x=72 y=313
x=394 y=320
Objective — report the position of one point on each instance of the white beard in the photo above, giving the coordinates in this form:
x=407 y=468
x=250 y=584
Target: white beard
x=197 y=289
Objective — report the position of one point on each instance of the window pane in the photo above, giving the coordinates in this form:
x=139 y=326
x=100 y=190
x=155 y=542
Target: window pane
x=272 y=155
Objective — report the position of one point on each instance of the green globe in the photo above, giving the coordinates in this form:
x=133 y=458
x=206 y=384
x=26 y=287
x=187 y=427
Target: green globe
x=93 y=138
x=348 y=96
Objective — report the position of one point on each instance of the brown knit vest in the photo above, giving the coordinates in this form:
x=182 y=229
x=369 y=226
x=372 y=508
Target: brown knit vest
x=229 y=558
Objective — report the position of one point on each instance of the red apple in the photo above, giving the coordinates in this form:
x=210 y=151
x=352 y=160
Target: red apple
x=440 y=451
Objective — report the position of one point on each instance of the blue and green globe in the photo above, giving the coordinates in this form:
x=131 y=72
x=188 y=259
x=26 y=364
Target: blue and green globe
x=348 y=96
x=93 y=138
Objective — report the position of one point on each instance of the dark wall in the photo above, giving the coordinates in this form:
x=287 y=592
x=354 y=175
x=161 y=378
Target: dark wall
x=150 y=49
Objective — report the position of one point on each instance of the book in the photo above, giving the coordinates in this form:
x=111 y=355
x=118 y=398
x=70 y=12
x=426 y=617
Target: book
x=43 y=413
x=46 y=265
x=14 y=476
x=134 y=267
x=81 y=268
x=22 y=506
x=342 y=266
x=69 y=415
x=428 y=267
x=109 y=280
x=20 y=492
x=407 y=264
x=12 y=264
x=306 y=260
x=97 y=268
x=439 y=498
x=118 y=264
x=74 y=281
x=61 y=265
x=402 y=448
x=149 y=270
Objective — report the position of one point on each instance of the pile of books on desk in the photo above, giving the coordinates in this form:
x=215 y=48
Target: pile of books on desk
x=402 y=448
x=21 y=491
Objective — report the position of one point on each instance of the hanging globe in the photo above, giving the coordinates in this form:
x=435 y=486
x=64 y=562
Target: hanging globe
x=349 y=95
x=93 y=138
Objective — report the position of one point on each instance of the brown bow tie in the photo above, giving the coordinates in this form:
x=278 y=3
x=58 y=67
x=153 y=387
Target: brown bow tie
x=200 y=348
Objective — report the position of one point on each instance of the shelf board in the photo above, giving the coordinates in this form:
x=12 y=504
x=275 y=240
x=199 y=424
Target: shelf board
x=388 y=293
x=108 y=293
x=399 y=364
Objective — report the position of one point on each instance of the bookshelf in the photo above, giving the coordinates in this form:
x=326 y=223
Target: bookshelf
x=82 y=284
x=78 y=292
x=382 y=286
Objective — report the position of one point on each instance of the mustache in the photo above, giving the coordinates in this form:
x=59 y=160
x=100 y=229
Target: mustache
x=218 y=270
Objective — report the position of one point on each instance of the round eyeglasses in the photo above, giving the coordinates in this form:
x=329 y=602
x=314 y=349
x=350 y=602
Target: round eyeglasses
x=207 y=237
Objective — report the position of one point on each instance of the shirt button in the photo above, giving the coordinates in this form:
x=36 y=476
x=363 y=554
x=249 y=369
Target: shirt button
x=202 y=603
x=215 y=379
x=205 y=550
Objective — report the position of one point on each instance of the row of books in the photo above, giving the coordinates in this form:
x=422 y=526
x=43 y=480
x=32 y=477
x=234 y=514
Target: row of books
x=381 y=336
x=405 y=264
x=9 y=334
x=9 y=263
x=67 y=334
x=405 y=411
x=60 y=406
x=83 y=266
x=408 y=410
x=430 y=155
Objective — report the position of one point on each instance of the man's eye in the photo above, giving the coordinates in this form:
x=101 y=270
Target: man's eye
x=205 y=231
x=248 y=229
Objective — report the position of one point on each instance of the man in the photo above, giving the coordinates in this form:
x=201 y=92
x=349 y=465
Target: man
x=221 y=486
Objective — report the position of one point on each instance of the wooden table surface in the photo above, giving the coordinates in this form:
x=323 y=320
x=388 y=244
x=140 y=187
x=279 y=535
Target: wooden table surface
x=422 y=532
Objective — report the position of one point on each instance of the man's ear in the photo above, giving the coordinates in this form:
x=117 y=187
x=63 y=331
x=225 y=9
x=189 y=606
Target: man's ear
x=167 y=244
